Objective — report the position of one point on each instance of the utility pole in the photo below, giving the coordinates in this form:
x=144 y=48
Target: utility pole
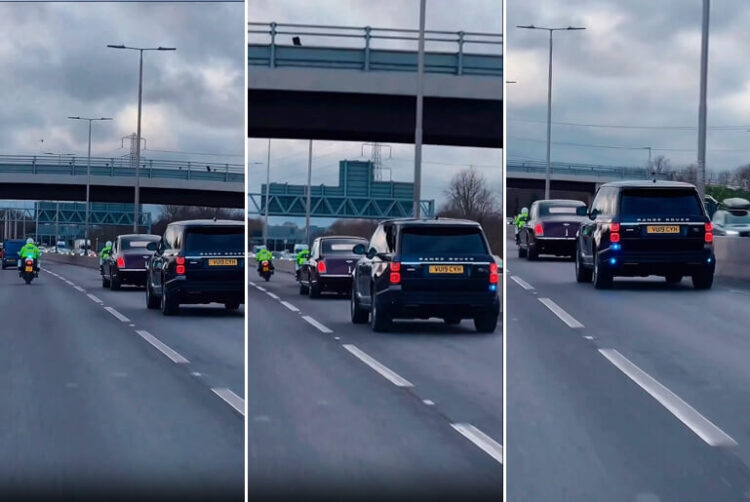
x=420 y=102
x=702 y=107
x=309 y=181
x=268 y=189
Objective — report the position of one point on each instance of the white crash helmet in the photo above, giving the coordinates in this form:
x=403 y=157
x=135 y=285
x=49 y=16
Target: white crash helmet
x=524 y=210
x=108 y=244
x=29 y=241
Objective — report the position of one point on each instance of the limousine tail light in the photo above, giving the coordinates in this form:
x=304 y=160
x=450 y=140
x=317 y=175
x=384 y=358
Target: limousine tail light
x=321 y=267
x=395 y=272
x=538 y=230
x=120 y=262
x=709 y=232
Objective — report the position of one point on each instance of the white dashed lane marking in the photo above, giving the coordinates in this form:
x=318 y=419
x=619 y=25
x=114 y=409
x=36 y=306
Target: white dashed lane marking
x=525 y=285
x=231 y=399
x=161 y=347
x=94 y=298
x=290 y=306
x=384 y=371
x=482 y=440
x=316 y=324
x=688 y=415
x=115 y=313
x=560 y=312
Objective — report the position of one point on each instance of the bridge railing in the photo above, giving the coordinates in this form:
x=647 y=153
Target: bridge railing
x=357 y=50
x=118 y=166
x=576 y=169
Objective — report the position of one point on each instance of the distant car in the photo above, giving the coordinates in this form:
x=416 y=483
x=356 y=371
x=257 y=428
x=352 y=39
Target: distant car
x=330 y=265
x=551 y=228
x=127 y=262
x=732 y=219
x=197 y=261
x=11 y=247
x=642 y=228
x=417 y=269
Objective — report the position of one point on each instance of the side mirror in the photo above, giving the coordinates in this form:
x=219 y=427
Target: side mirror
x=151 y=246
x=593 y=214
x=581 y=211
x=371 y=253
x=359 y=249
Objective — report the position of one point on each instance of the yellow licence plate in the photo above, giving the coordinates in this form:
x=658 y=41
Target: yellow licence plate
x=222 y=262
x=446 y=269
x=663 y=229
x=29 y=269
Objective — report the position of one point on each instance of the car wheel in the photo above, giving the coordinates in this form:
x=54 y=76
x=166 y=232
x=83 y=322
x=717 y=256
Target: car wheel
x=673 y=278
x=358 y=314
x=379 y=320
x=105 y=281
x=152 y=302
x=314 y=289
x=168 y=305
x=303 y=290
x=232 y=305
x=486 y=323
x=533 y=253
x=583 y=274
x=521 y=252
x=703 y=279
x=602 y=277
x=114 y=283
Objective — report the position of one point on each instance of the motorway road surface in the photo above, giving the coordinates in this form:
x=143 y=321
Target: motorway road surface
x=639 y=393
x=337 y=411
x=102 y=398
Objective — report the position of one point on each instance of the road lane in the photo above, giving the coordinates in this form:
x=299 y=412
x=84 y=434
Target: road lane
x=90 y=409
x=585 y=426
x=331 y=423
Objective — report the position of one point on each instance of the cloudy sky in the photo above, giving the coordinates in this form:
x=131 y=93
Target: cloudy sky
x=636 y=69
x=55 y=63
x=289 y=158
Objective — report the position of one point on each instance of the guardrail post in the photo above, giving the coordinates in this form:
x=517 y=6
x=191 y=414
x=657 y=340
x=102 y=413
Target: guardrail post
x=150 y=168
x=368 y=29
x=33 y=164
x=272 y=61
x=73 y=165
x=226 y=172
x=188 y=175
x=112 y=167
x=460 y=52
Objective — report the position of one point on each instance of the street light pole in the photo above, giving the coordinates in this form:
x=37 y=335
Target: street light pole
x=547 y=178
x=309 y=189
x=138 y=133
x=268 y=189
x=702 y=107
x=420 y=102
x=88 y=183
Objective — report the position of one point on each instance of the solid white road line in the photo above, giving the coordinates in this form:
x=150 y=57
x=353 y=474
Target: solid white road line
x=231 y=399
x=94 y=298
x=161 y=347
x=79 y=288
x=260 y=288
x=482 y=440
x=115 y=313
x=290 y=306
x=316 y=324
x=275 y=297
x=252 y=283
x=699 y=424
x=559 y=312
x=525 y=285
x=392 y=376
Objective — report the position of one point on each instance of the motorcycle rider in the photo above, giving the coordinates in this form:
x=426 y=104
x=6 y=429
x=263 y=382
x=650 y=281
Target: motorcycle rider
x=302 y=257
x=521 y=220
x=264 y=255
x=104 y=254
x=29 y=250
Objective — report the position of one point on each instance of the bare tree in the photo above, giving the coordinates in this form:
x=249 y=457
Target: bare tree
x=469 y=197
x=356 y=228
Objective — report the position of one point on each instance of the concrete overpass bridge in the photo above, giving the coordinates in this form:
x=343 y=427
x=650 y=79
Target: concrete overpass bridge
x=525 y=181
x=27 y=177
x=359 y=84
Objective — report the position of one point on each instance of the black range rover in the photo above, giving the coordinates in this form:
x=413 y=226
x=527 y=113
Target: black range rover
x=197 y=261
x=641 y=228
x=426 y=268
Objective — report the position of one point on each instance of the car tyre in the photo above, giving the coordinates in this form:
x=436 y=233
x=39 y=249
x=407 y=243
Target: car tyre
x=486 y=323
x=303 y=290
x=114 y=283
x=168 y=305
x=152 y=302
x=358 y=314
x=105 y=281
x=602 y=277
x=583 y=273
x=379 y=319
x=314 y=289
x=533 y=253
x=703 y=279
x=521 y=252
